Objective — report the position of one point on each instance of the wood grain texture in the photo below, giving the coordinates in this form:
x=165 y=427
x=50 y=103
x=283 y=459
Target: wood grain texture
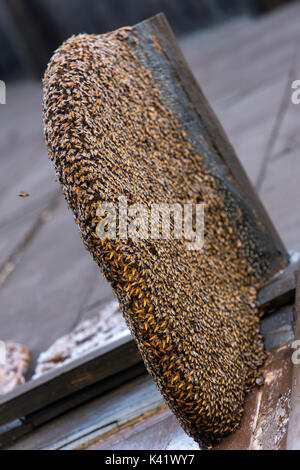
x=95 y=418
x=264 y=424
x=280 y=291
x=53 y=386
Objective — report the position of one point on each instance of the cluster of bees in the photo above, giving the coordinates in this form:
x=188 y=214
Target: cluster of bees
x=192 y=313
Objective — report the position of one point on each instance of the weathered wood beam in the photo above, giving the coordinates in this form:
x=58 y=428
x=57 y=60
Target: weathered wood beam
x=280 y=291
x=11 y=432
x=97 y=366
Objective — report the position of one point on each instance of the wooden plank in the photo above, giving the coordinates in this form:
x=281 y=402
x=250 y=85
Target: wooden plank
x=13 y=431
x=157 y=45
x=264 y=423
x=280 y=291
x=57 y=378
x=96 y=417
x=159 y=431
x=278 y=328
x=91 y=368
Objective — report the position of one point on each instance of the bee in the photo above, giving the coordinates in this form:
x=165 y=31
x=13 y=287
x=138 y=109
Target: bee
x=22 y=194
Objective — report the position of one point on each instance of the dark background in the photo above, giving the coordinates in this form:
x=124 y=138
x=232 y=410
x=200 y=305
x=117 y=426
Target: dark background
x=31 y=29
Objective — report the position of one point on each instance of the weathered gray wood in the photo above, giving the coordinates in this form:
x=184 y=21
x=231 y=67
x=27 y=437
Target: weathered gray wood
x=280 y=291
x=278 y=328
x=100 y=293
x=11 y=432
x=95 y=417
x=263 y=426
x=160 y=431
x=73 y=377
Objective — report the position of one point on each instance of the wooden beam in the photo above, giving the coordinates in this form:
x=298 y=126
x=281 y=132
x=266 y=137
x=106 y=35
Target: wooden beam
x=13 y=431
x=280 y=291
x=97 y=366
x=100 y=415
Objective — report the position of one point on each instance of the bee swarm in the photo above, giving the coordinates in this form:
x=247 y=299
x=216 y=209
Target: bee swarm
x=192 y=313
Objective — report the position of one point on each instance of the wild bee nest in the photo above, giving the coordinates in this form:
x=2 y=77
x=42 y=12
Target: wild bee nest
x=192 y=312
